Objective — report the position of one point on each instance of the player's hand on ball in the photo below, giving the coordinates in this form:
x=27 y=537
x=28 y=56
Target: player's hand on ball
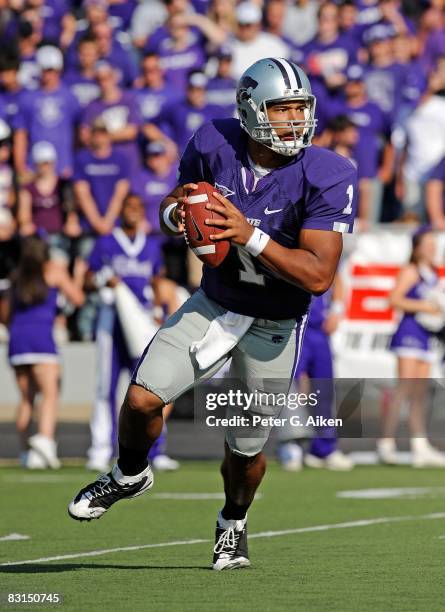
x=235 y=225
x=179 y=214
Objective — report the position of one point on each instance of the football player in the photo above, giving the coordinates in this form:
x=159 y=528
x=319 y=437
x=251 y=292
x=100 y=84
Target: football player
x=285 y=206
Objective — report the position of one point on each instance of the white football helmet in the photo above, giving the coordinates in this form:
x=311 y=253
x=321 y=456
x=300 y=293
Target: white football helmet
x=272 y=80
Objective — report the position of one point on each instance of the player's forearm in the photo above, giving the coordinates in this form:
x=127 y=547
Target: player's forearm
x=299 y=267
x=167 y=202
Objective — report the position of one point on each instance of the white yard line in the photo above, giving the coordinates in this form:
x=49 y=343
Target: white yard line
x=14 y=537
x=263 y=534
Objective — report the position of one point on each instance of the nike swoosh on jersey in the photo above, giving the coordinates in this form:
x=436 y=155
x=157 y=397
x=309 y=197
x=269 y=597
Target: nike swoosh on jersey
x=271 y=212
x=199 y=235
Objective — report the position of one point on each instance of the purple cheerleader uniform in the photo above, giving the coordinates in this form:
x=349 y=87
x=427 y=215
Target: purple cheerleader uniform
x=317 y=362
x=31 y=332
x=410 y=338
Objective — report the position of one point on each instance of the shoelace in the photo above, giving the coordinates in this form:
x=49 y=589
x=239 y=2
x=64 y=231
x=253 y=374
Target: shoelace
x=227 y=541
x=103 y=486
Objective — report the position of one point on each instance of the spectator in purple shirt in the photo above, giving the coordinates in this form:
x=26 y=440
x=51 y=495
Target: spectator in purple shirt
x=385 y=79
x=181 y=45
x=114 y=52
x=28 y=37
x=348 y=20
x=100 y=181
x=58 y=24
x=113 y=44
x=330 y=52
x=119 y=111
x=81 y=79
x=180 y=121
x=154 y=181
x=415 y=81
x=152 y=95
x=373 y=152
x=392 y=14
x=94 y=12
x=221 y=89
x=49 y=114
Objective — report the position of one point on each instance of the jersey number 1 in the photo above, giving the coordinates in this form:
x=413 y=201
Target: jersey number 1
x=350 y=193
x=248 y=274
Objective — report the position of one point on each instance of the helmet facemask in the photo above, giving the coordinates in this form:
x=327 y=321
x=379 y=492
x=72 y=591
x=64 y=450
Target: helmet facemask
x=302 y=130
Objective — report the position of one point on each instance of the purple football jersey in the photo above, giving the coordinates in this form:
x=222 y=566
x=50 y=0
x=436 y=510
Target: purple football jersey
x=135 y=262
x=101 y=174
x=314 y=190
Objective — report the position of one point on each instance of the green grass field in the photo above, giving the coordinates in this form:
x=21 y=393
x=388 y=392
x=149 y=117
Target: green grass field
x=393 y=560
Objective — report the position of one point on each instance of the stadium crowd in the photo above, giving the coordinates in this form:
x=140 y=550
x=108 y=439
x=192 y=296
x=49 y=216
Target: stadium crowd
x=98 y=99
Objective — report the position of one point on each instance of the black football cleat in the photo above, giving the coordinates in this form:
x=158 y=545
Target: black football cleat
x=230 y=551
x=96 y=498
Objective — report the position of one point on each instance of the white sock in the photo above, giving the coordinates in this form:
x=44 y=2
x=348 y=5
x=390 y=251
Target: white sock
x=123 y=480
x=419 y=445
x=388 y=444
x=237 y=525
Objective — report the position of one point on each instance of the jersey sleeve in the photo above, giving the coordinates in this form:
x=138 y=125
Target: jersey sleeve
x=331 y=203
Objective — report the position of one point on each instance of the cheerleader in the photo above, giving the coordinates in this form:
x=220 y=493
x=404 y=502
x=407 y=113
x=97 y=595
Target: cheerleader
x=32 y=350
x=412 y=344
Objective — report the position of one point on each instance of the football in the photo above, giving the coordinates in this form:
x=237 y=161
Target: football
x=197 y=233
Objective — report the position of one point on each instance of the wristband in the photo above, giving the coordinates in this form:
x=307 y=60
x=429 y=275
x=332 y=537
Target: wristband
x=166 y=218
x=257 y=242
x=337 y=307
